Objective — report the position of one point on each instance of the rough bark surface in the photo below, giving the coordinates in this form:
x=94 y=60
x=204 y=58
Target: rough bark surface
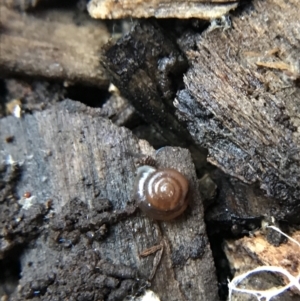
x=147 y=67
x=242 y=99
x=56 y=45
x=78 y=172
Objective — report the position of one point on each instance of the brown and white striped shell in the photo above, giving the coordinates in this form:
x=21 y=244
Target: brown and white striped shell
x=161 y=193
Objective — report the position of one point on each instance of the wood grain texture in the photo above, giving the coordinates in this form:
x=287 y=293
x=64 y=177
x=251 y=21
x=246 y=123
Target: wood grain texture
x=86 y=165
x=52 y=45
x=203 y=9
x=242 y=99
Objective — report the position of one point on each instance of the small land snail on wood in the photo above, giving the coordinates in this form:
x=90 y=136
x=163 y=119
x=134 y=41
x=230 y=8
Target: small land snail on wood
x=161 y=193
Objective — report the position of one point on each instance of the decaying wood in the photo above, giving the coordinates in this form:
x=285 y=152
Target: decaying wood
x=91 y=233
x=34 y=95
x=118 y=109
x=249 y=253
x=147 y=68
x=31 y=95
x=23 y=4
x=257 y=249
x=149 y=133
x=242 y=99
x=182 y=9
x=121 y=112
x=236 y=202
x=52 y=45
x=133 y=67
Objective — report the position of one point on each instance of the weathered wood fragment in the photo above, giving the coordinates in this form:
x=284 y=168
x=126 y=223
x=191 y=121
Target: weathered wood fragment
x=92 y=237
x=249 y=253
x=182 y=9
x=242 y=99
x=118 y=109
x=147 y=68
x=238 y=202
x=32 y=95
x=52 y=45
x=23 y=4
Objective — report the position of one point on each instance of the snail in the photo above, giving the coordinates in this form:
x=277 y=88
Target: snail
x=161 y=193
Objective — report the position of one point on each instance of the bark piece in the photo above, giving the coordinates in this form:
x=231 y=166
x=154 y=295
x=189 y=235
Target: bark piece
x=52 y=45
x=86 y=166
x=245 y=112
x=147 y=68
x=203 y=9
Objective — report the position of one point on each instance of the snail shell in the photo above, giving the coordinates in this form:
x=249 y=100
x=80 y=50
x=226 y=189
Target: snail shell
x=161 y=193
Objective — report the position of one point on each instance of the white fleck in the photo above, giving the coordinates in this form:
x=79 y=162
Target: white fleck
x=17 y=111
x=113 y=89
x=10 y=160
x=55 y=67
x=18 y=219
x=44 y=179
x=26 y=203
x=148 y=296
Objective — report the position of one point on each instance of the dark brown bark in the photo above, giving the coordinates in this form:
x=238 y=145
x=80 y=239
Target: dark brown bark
x=147 y=67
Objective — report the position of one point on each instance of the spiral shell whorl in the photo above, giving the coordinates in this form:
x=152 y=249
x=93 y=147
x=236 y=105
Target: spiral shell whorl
x=164 y=190
x=161 y=193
